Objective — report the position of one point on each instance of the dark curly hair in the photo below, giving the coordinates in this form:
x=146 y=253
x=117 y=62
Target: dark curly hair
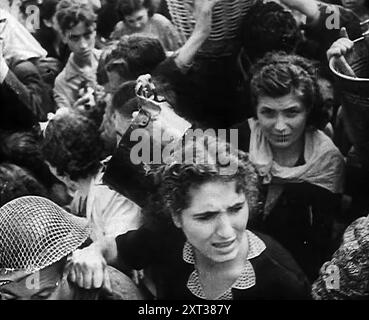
x=269 y=27
x=72 y=144
x=279 y=74
x=135 y=55
x=210 y=159
x=69 y=13
x=16 y=182
x=101 y=75
x=48 y=9
x=128 y=7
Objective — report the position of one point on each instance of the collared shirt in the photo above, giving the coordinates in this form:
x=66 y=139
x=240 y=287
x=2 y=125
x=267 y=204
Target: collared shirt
x=245 y=280
x=68 y=82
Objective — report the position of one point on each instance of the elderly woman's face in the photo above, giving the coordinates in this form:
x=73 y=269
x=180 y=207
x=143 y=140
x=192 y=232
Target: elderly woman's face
x=282 y=120
x=44 y=285
x=215 y=221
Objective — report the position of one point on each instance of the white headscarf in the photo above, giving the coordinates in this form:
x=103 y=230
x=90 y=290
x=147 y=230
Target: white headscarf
x=18 y=43
x=324 y=164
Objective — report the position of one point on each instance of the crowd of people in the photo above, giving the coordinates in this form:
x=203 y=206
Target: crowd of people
x=139 y=161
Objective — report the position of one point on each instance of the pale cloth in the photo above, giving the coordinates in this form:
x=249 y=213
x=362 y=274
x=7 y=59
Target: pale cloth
x=324 y=164
x=109 y=213
x=18 y=44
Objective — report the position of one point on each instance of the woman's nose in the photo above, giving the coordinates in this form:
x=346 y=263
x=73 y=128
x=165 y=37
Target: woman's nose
x=280 y=124
x=224 y=226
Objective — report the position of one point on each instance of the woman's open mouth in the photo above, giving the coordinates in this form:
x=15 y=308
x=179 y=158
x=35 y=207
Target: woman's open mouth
x=224 y=244
x=281 y=138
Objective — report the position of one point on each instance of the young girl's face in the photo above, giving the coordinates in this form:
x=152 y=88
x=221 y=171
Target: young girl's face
x=137 y=20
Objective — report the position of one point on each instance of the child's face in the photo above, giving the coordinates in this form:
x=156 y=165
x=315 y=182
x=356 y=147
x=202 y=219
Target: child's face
x=352 y=4
x=137 y=20
x=81 y=40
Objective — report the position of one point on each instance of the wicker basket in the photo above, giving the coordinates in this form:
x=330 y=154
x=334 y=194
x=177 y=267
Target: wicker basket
x=227 y=17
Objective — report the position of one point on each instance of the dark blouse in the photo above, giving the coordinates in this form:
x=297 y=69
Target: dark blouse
x=277 y=274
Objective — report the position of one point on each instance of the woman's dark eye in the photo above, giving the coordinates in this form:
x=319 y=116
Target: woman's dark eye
x=204 y=217
x=292 y=113
x=267 y=112
x=236 y=209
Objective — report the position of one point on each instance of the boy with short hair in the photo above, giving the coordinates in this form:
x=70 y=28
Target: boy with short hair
x=77 y=23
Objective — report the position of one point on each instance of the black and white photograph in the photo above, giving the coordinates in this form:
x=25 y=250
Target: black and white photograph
x=182 y=155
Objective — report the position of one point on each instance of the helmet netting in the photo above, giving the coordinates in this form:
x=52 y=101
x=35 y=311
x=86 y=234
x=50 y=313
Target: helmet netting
x=35 y=233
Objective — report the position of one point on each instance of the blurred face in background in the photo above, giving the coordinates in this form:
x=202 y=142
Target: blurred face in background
x=81 y=40
x=353 y=4
x=137 y=20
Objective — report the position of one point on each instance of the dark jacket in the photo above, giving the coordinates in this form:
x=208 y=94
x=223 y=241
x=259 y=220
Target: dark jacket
x=22 y=97
x=277 y=274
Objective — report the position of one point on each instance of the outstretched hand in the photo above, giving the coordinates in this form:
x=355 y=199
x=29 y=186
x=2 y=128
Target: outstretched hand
x=202 y=12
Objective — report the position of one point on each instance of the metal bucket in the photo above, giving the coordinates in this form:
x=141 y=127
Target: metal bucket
x=355 y=97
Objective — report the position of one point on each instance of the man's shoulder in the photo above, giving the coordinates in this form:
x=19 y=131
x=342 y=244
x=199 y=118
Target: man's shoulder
x=123 y=288
x=61 y=77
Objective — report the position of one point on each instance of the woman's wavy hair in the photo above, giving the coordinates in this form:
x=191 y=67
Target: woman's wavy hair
x=134 y=55
x=269 y=27
x=211 y=159
x=128 y=7
x=278 y=74
x=72 y=144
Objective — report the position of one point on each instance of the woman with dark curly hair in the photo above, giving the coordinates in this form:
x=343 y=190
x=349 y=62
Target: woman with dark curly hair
x=302 y=170
x=74 y=150
x=197 y=243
